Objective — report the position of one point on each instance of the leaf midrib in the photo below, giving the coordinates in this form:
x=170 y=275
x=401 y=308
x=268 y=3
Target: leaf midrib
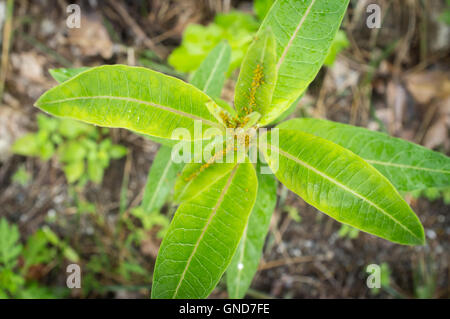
x=291 y=39
x=241 y=259
x=218 y=62
x=205 y=228
x=375 y=162
x=128 y=99
x=306 y=165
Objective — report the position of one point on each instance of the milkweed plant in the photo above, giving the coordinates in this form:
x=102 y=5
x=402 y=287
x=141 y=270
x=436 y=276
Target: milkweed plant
x=231 y=157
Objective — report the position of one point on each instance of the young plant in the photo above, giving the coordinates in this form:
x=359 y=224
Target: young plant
x=75 y=144
x=17 y=261
x=349 y=173
x=238 y=29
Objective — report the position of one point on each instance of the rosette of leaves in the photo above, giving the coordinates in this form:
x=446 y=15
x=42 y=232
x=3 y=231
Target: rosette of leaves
x=351 y=174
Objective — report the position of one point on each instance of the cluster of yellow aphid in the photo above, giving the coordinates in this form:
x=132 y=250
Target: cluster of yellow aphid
x=227 y=120
x=234 y=122
x=221 y=154
x=216 y=156
x=258 y=76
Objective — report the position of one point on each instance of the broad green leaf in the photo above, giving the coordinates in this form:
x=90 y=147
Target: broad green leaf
x=407 y=165
x=343 y=186
x=210 y=76
x=257 y=77
x=289 y=111
x=10 y=247
x=63 y=74
x=304 y=31
x=133 y=98
x=245 y=261
x=70 y=128
x=203 y=236
x=261 y=7
x=198 y=177
x=160 y=181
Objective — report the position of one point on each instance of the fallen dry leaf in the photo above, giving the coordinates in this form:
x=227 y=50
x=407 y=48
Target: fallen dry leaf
x=396 y=100
x=150 y=245
x=12 y=126
x=428 y=85
x=30 y=66
x=437 y=134
x=343 y=75
x=92 y=38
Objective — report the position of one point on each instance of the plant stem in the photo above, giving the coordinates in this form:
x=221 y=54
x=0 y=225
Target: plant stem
x=7 y=37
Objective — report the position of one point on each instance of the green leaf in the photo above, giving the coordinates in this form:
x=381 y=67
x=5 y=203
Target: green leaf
x=304 y=31
x=10 y=247
x=197 y=41
x=95 y=169
x=343 y=186
x=210 y=76
x=160 y=181
x=46 y=150
x=198 y=177
x=27 y=145
x=21 y=176
x=289 y=111
x=150 y=220
x=245 y=261
x=204 y=235
x=408 y=166
x=46 y=123
x=261 y=7
x=10 y=281
x=224 y=105
x=117 y=151
x=36 y=250
x=74 y=170
x=36 y=291
x=72 y=151
x=130 y=97
x=258 y=75
x=72 y=129
x=159 y=140
x=339 y=43
x=63 y=74
x=236 y=27
x=235 y=21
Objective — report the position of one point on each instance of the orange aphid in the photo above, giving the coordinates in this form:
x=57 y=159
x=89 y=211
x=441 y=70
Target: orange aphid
x=215 y=157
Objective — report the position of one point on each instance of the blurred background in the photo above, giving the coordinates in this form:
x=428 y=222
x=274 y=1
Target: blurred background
x=71 y=193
